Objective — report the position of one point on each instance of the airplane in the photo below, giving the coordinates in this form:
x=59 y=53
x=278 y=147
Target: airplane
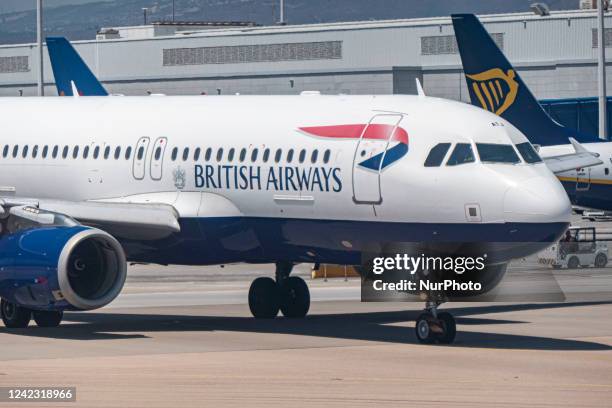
x=496 y=86
x=90 y=183
x=560 y=163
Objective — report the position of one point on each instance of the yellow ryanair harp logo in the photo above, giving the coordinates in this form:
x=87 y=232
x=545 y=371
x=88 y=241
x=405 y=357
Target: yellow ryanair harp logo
x=495 y=90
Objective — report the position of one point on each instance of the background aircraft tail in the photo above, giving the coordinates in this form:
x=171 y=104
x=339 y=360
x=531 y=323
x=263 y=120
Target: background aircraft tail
x=495 y=85
x=68 y=66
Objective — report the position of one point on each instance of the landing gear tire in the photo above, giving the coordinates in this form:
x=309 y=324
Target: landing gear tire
x=264 y=298
x=601 y=260
x=14 y=316
x=423 y=328
x=47 y=318
x=295 y=297
x=441 y=329
x=449 y=328
x=573 y=263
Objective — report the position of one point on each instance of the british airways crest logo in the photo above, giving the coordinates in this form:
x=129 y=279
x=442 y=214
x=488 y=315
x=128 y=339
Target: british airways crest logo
x=392 y=146
x=495 y=89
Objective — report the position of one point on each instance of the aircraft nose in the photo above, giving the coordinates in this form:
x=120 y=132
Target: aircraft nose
x=538 y=199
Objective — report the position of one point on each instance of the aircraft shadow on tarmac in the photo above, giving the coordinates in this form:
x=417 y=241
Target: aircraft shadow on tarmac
x=372 y=326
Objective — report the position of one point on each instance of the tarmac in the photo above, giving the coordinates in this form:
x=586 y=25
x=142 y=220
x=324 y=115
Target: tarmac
x=183 y=337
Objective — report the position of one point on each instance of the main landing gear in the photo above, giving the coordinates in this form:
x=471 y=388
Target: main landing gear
x=289 y=294
x=18 y=317
x=434 y=327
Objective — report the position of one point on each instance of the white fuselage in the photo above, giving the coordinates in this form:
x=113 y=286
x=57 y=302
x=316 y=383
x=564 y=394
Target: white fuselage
x=591 y=186
x=325 y=183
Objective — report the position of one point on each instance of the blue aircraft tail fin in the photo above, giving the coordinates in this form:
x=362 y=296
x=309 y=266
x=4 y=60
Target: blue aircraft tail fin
x=496 y=86
x=68 y=67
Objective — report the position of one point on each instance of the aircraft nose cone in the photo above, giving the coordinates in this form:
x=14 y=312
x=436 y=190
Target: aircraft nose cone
x=539 y=200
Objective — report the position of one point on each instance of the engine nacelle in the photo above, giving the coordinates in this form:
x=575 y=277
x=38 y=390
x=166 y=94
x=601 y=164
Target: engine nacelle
x=61 y=267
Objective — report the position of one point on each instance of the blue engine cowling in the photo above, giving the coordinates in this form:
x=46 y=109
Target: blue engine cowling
x=61 y=267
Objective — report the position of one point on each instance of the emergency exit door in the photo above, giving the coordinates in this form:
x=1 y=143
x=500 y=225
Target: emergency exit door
x=369 y=158
x=583 y=179
x=140 y=158
x=157 y=158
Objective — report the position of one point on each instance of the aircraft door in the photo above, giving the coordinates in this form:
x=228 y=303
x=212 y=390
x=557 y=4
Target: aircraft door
x=157 y=158
x=583 y=179
x=369 y=158
x=140 y=158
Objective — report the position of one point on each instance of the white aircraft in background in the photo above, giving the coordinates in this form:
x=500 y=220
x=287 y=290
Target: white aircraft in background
x=92 y=182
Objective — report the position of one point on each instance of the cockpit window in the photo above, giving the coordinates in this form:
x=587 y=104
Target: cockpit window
x=437 y=154
x=528 y=152
x=461 y=154
x=497 y=153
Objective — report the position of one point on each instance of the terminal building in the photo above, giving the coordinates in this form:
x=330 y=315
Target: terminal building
x=556 y=55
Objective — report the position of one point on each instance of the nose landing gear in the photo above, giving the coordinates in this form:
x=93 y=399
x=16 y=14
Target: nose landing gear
x=433 y=327
x=289 y=294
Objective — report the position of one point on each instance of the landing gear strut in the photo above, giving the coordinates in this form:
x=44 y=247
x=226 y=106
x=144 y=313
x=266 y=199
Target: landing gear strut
x=18 y=317
x=434 y=327
x=289 y=294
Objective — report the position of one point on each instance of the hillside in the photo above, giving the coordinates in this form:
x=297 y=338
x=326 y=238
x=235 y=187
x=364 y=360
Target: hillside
x=82 y=20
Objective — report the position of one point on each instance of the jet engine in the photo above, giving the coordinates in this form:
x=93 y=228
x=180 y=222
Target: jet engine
x=66 y=267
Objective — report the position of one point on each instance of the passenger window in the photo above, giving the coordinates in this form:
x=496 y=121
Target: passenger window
x=106 y=152
x=313 y=157
x=85 y=152
x=277 y=156
x=254 y=155
x=208 y=154
x=25 y=151
x=230 y=154
x=75 y=152
x=96 y=152
x=196 y=154
x=141 y=153
x=497 y=153
x=266 y=155
x=326 y=156
x=45 y=151
x=302 y=156
x=528 y=152
x=128 y=152
x=35 y=151
x=174 y=153
x=607 y=171
x=65 y=152
x=5 y=151
x=158 y=153
x=55 y=151
x=436 y=155
x=220 y=154
x=15 y=150
x=462 y=154
x=185 y=154
x=242 y=155
x=290 y=156
x=117 y=152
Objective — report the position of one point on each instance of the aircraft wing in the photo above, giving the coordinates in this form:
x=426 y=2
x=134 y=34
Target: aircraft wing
x=581 y=158
x=122 y=220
